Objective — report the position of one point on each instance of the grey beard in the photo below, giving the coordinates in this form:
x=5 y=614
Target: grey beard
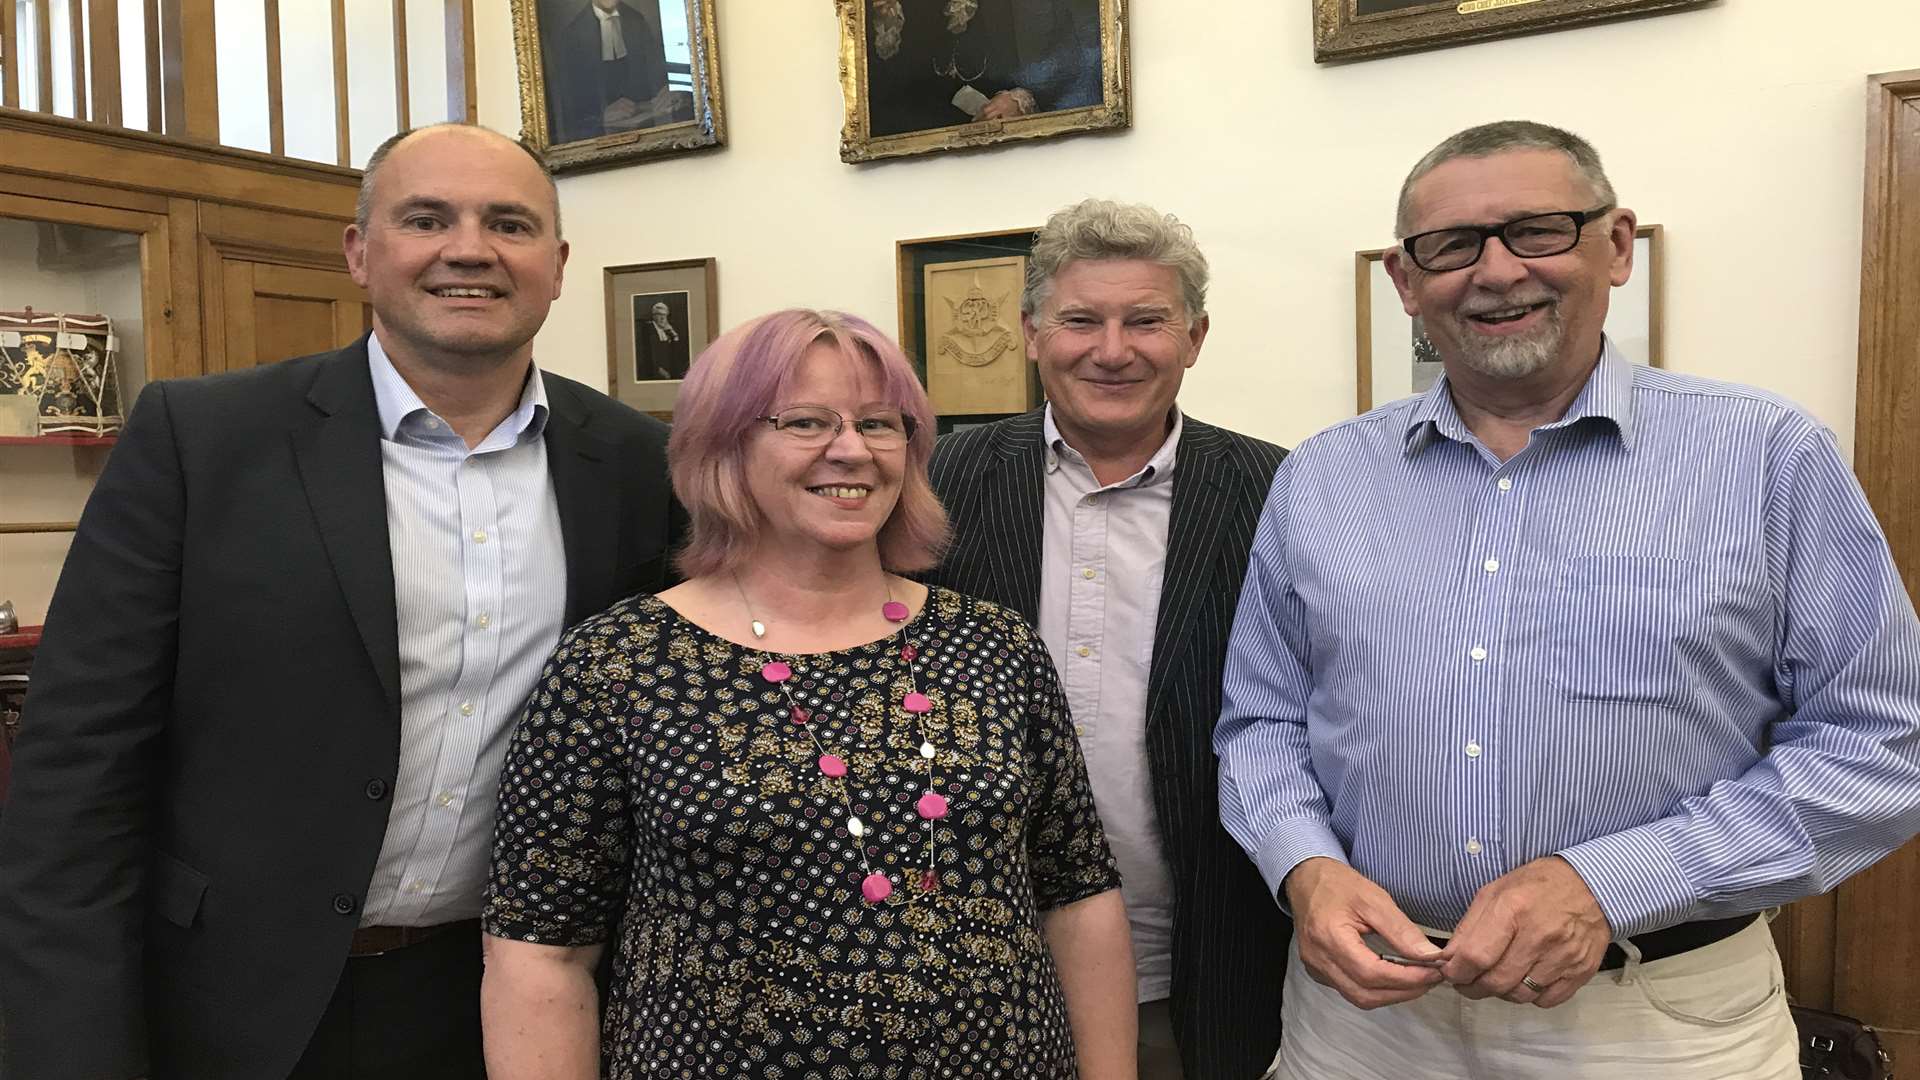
x=1517 y=357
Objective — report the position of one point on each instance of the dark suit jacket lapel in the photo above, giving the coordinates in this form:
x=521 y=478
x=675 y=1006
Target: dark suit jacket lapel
x=1012 y=505
x=1202 y=484
x=338 y=455
x=586 y=486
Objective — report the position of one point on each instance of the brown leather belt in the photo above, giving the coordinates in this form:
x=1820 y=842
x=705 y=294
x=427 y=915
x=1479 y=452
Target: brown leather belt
x=1672 y=941
x=374 y=940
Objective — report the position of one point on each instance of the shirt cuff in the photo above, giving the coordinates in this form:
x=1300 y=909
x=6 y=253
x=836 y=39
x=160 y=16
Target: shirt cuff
x=1638 y=883
x=1290 y=844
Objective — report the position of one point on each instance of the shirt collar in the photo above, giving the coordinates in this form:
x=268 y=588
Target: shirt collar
x=604 y=15
x=1158 y=468
x=1607 y=395
x=404 y=416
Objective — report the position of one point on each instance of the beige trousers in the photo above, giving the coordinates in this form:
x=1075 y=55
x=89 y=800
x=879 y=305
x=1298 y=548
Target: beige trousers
x=1716 y=1012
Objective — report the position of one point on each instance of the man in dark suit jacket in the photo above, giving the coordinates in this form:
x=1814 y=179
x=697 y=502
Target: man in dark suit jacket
x=607 y=72
x=1121 y=527
x=254 y=788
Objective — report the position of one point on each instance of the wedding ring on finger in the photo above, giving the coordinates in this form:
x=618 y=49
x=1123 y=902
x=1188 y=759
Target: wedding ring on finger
x=1527 y=981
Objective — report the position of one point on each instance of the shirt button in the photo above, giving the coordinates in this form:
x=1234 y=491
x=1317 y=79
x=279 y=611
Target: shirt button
x=1477 y=653
x=1473 y=749
x=485 y=620
x=433 y=424
x=1087 y=573
x=1079 y=729
x=1093 y=500
x=344 y=904
x=445 y=798
x=376 y=789
x=1505 y=483
x=1473 y=845
x=416 y=886
x=1084 y=651
x=479 y=536
x=466 y=707
x=1491 y=565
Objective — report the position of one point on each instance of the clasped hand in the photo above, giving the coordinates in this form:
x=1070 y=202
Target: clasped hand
x=1532 y=936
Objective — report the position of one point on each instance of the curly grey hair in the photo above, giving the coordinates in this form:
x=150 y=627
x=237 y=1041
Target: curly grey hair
x=1103 y=229
x=1499 y=137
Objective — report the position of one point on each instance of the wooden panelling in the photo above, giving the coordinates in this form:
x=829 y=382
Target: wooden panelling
x=461 y=100
x=190 y=67
x=43 y=52
x=402 y=108
x=183 y=230
x=10 y=56
x=77 y=54
x=1876 y=960
x=342 y=125
x=1804 y=933
x=239 y=227
x=103 y=35
x=50 y=146
x=269 y=312
x=276 y=92
x=156 y=86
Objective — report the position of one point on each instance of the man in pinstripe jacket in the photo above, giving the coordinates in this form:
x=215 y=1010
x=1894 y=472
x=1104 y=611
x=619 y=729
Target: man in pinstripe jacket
x=1121 y=526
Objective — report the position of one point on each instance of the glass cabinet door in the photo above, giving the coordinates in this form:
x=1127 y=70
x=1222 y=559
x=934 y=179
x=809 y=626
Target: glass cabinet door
x=84 y=314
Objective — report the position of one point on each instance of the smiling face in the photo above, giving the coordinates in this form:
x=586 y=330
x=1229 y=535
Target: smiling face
x=1506 y=317
x=1113 y=342
x=459 y=256
x=835 y=496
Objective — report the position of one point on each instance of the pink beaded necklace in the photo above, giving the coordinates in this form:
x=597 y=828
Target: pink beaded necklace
x=875 y=887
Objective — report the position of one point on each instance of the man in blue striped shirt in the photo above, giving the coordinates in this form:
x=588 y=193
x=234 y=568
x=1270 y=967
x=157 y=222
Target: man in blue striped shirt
x=1566 y=667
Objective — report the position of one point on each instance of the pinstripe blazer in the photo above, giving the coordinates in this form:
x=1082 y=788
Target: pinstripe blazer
x=1229 y=937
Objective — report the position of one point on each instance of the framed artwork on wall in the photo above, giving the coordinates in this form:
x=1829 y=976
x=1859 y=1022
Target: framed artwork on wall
x=1395 y=359
x=960 y=324
x=925 y=75
x=1363 y=29
x=611 y=82
x=659 y=316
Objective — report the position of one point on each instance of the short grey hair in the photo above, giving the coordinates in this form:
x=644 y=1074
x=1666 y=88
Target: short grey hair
x=1103 y=229
x=363 y=204
x=1499 y=137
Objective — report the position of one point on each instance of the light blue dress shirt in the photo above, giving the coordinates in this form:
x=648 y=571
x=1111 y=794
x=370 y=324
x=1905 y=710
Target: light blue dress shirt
x=1666 y=641
x=480 y=588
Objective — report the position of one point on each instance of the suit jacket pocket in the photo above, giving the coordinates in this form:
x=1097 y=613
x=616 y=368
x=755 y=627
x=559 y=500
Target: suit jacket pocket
x=178 y=890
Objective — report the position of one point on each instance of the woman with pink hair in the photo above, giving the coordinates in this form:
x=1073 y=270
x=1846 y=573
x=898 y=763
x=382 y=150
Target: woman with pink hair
x=828 y=821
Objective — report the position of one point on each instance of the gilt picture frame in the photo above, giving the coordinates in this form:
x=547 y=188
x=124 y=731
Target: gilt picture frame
x=1366 y=29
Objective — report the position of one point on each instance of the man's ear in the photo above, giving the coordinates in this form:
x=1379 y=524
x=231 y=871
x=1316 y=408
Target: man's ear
x=1032 y=335
x=1620 y=238
x=353 y=243
x=1400 y=269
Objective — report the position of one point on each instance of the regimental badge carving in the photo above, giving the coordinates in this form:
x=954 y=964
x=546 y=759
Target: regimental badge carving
x=979 y=335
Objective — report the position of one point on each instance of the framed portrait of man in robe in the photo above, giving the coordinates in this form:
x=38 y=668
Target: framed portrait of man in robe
x=1364 y=29
x=660 y=316
x=608 y=82
x=926 y=75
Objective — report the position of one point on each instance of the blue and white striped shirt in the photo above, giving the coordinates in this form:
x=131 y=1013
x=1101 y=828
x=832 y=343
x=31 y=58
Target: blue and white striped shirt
x=1666 y=641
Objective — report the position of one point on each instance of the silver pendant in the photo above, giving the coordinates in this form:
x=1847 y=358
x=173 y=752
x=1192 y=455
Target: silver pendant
x=926 y=750
x=855 y=828
x=759 y=629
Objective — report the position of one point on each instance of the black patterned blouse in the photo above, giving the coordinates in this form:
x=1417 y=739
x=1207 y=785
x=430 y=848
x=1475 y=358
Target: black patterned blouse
x=659 y=783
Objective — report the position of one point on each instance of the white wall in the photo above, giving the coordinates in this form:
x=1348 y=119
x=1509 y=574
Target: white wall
x=1739 y=126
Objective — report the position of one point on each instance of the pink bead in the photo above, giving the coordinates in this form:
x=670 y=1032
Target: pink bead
x=931 y=806
x=916 y=703
x=908 y=652
x=928 y=882
x=775 y=671
x=895 y=611
x=832 y=765
x=876 y=888
x=797 y=714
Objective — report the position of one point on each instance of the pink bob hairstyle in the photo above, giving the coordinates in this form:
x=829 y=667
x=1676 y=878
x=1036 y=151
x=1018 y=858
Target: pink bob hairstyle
x=737 y=379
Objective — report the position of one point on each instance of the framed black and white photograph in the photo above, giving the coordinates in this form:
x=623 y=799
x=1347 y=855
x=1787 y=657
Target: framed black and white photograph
x=608 y=82
x=926 y=75
x=659 y=318
x=1395 y=359
x=1363 y=29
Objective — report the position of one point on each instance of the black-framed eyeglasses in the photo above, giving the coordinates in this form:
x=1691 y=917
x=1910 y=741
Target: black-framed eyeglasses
x=1535 y=236
x=817 y=425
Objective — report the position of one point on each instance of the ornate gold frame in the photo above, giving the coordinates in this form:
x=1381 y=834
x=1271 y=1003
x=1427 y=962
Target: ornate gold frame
x=856 y=145
x=1339 y=34
x=707 y=129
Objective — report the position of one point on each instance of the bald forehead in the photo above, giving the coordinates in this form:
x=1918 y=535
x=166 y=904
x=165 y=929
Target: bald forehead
x=419 y=154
